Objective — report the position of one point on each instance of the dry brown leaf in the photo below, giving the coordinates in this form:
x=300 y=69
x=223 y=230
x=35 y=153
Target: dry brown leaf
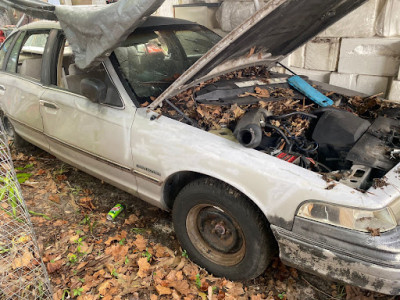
x=87 y=297
x=161 y=251
x=55 y=198
x=162 y=290
x=51 y=186
x=23 y=261
x=40 y=172
x=117 y=251
x=132 y=219
x=144 y=267
x=251 y=52
x=103 y=287
x=140 y=242
x=86 y=202
x=374 y=231
x=99 y=274
x=153 y=297
x=237 y=111
x=120 y=236
x=234 y=289
x=182 y=286
x=54 y=266
x=59 y=223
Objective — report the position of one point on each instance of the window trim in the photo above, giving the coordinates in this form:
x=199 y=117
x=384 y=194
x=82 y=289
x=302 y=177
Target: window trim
x=10 y=38
x=57 y=40
x=26 y=34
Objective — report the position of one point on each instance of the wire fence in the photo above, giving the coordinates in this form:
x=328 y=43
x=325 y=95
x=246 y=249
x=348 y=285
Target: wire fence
x=22 y=272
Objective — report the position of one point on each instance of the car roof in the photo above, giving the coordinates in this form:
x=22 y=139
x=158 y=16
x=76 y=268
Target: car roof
x=151 y=21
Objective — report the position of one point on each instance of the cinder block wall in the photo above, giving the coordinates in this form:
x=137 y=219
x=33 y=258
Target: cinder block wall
x=351 y=54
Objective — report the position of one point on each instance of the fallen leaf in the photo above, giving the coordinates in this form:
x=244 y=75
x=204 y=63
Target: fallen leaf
x=251 y=52
x=374 y=231
x=40 y=172
x=52 y=267
x=59 y=223
x=132 y=219
x=23 y=261
x=86 y=202
x=140 y=242
x=103 y=287
x=144 y=267
x=162 y=290
x=81 y=265
x=120 y=236
x=55 y=198
x=117 y=251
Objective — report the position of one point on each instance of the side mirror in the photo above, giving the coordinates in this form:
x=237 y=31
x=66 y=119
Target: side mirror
x=93 y=89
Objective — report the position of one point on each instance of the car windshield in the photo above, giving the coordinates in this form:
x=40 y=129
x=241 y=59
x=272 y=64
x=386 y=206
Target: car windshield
x=150 y=60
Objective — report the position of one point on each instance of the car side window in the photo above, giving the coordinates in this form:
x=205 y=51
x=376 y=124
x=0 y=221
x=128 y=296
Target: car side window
x=69 y=77
x=27 y=55
x=5 y=48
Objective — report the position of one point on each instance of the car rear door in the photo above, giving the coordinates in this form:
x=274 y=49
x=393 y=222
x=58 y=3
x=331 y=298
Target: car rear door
x=21 y=85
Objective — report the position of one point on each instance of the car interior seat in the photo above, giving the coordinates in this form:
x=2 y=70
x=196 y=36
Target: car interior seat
x=31 y=68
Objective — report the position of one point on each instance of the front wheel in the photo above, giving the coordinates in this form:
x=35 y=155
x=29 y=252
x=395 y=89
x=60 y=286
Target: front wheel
x=222 y=230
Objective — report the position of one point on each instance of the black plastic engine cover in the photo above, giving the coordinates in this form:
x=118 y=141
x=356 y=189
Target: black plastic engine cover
x=339 y=128
x=374 y=147
x=336 y=132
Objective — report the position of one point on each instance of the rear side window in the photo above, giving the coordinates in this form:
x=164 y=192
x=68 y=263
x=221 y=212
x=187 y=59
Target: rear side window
x=4 y=50
x=27 y=55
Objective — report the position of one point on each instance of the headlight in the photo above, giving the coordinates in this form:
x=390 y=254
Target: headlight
x=352 y=218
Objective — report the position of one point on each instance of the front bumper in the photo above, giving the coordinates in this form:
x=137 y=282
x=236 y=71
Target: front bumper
x=356 y=258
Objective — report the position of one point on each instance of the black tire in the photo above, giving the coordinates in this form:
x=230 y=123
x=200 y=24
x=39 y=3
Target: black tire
x=222 y=230
x=18 y=141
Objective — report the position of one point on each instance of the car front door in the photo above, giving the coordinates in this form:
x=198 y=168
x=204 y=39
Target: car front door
x=94 y=136
x=21 y=85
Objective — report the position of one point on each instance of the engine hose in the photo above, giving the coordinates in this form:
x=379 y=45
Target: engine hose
x=293 y=114
x=278 y=130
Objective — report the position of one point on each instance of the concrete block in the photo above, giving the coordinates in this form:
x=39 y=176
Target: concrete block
x=359 y=23
x=204 y=15
x=322 y=54
x=370 y=85
x=297 y=57
x=370 y=56
x=313 y=75
x=394 y=92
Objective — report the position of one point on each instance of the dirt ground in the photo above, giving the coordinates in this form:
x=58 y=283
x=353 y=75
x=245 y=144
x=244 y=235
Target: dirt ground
x=138 y=255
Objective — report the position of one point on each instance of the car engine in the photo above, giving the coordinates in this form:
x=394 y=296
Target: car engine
x=355 y=141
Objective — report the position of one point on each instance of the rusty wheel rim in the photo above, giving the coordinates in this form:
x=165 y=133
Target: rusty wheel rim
x=215 y=234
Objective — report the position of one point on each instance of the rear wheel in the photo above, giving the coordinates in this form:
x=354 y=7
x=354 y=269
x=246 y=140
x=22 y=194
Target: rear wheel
x=18 y=141
x=222 y=230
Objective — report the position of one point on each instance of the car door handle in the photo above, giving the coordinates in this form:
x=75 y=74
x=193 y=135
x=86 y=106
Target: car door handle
x=2 y=89
x=48 y=104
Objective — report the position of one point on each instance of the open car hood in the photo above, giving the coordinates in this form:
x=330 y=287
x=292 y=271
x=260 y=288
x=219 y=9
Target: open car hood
x=273 y=32
x=92 y=31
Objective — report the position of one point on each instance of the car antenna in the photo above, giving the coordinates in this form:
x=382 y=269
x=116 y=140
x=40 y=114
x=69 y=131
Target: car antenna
x=21 y=20
x=283 y=66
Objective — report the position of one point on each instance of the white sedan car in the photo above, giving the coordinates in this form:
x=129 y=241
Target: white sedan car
x=248 y=161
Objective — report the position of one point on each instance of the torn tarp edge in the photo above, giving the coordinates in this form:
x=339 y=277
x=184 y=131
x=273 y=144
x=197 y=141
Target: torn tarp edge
x=95 y=31
x=92 y=31
x=34 y=8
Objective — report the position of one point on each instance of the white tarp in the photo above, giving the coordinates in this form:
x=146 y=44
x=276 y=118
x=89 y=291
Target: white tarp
x=92 y=31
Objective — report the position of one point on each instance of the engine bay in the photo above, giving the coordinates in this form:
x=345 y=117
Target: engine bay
x=355 y=141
